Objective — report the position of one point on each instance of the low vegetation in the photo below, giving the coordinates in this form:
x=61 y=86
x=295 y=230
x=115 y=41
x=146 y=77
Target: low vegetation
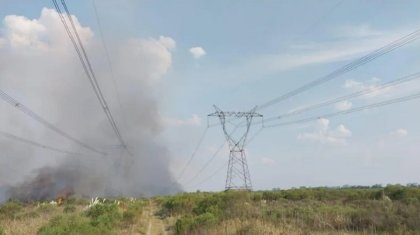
x=76 y=217
x=393 y=209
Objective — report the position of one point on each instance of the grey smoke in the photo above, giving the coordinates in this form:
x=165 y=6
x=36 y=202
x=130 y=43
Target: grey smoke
x=38 y=67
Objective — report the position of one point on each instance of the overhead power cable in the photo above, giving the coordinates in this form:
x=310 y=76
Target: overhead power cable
x=315 y=22
x=346 y=68
x=87 y=67
x=38 y=118
x=36 y=144
x=213 y=156
x=200 y=141
x=108 y=59
x=206 y=164
x=353 y=110
x=363 y=92
x=255 y=135
x=210 y=176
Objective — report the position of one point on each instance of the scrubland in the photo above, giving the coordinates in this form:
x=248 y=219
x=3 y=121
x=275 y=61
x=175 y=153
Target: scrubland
x=393 y=209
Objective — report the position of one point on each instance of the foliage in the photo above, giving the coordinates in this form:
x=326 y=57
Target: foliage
x=69 y=208
x=10 y=209
x=393 y=209
x=2 y=232
x=103 y=217
x=71 y=225
x=104 y=214
x=134 y=209
x=188 y=223
x=45 y=208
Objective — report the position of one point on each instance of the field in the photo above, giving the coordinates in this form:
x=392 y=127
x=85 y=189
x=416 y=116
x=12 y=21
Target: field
x=393 y=209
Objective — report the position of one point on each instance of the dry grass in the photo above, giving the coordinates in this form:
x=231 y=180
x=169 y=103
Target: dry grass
x=30 y=219
x=291 y=212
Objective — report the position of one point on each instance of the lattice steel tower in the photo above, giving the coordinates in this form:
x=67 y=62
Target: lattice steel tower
x=238 y=176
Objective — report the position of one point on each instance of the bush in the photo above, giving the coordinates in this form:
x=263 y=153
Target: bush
x=106 y=214
x=188 y=224
x=394 y=209
x=45 y=208
x=69 y=208
x=71 y=225
x=29 y=214
x=180 y=204
x=128 y=216
x=2 y=232
x=10 y=209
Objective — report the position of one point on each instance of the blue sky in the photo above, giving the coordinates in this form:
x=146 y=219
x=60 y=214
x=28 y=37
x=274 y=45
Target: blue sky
x=258 y=50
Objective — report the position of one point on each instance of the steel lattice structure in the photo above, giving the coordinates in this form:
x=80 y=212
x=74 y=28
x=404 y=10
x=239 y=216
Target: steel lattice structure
x=238 y=176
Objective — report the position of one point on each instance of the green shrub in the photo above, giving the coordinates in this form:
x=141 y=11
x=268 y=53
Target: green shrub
x=128 y=216
x=69 y=208
x=29 y=214
x=188 y=224
x=10 y=209
x=183 y=225
x=2 y=232
x=106 y=214
x=71 y=225
x=45 y=208
x=180 y=204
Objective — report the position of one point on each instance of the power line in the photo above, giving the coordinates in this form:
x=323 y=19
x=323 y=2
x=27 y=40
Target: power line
x=308 y=28
x=108 y=58
x=353 y=110
x=210 y=176
x=363 y=92
x=346 y=68
x=206 y=164
x=254 y=135
x=95 y=83
x=318 y=20
x=36 y=144
x=87 y=67
x=213 y=155
x=36 y=117
x=194 y=152
x=220 y=148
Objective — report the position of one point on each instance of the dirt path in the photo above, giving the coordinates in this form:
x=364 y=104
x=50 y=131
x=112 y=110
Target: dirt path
x=155 y=225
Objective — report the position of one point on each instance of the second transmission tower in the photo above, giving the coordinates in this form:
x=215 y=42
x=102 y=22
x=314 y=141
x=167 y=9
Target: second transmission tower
x=238 y=176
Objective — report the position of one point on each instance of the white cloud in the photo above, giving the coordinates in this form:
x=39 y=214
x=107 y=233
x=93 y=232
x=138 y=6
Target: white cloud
x=343 y=105
x=399 y=133
x=324 y=134
x=197 y=52
x=268 y=161
x=372 y=85
x=167 y=42
x=149 y=58
x=350 y=84
x=194 y=120
x=46 y=33
x=342 y=132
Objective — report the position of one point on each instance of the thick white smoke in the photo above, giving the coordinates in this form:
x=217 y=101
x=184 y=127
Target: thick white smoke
x=39 y=67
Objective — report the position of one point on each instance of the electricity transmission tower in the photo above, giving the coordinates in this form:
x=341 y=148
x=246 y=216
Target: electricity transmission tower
x=238 y=176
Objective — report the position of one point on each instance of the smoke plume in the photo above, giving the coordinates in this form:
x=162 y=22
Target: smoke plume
x=39 y=67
